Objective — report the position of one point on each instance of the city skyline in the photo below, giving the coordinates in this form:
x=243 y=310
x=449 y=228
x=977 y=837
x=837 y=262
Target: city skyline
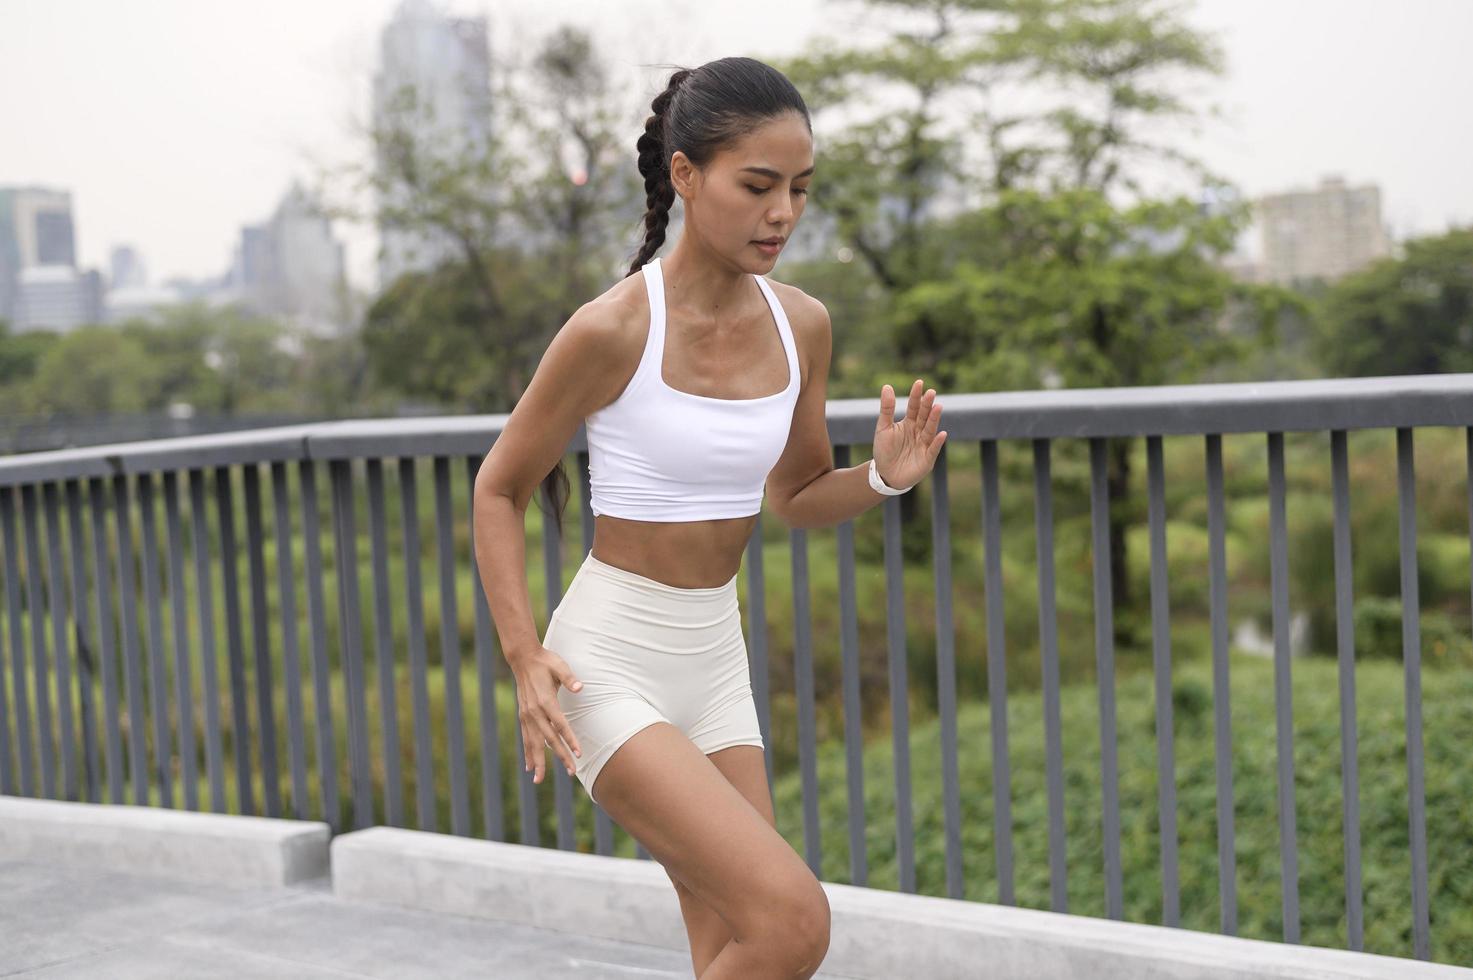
x=116 y=133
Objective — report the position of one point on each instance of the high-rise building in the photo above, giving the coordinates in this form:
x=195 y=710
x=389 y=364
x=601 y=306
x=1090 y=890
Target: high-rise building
x=1322 y=233
x=291 y=266
x=40 y=284
x=433 y=90
x=43 y=226
x=127 y=268
x=130 y=296
x=35 y=229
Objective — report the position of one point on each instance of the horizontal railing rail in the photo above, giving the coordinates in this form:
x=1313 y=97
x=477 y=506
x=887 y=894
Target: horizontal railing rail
x=1403 y=401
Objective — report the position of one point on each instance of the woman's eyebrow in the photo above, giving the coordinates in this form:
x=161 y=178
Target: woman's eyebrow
x=769 y=172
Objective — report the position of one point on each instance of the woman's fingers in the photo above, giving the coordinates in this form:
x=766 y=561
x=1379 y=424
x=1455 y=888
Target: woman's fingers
x=566 y=731
x=934 y=420
x=540 y=715
x=530 y=756
x=548 y=724
x=558 y=732
x=535 y=740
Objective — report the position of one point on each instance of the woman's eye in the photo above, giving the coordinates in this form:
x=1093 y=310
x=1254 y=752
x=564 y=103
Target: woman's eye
x=764 y=190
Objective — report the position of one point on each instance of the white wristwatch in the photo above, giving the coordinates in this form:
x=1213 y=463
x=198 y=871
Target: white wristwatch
x=879 y=485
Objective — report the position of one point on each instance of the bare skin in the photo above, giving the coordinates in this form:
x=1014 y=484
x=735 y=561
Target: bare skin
x=752 y=907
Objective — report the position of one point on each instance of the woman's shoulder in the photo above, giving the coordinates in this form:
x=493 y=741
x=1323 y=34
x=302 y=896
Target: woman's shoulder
x=808 y=317
x=600 y=346
x=614 y=322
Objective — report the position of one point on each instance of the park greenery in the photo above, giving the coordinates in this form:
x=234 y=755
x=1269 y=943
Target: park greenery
x=984 y=182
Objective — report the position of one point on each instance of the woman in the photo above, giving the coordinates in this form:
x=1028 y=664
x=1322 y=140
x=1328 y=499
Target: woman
x=699 y=395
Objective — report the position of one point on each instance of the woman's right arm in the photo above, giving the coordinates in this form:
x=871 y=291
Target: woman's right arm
x=570 y=382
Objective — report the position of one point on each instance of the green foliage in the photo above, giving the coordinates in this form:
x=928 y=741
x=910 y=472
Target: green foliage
x=1109 y=53
x=90 y=369
x=1375 y=531
x=218 y=361
x=1409 y=315
x=425 y=335
x=1447 y=711
x=1378 y=626
x=19 y=355
x=1070 y=283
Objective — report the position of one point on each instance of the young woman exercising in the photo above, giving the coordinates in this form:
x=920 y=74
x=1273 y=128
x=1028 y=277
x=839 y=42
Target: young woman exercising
x=701 y=397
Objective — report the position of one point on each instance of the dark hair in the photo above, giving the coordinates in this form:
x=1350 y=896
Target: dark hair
x=701 y=111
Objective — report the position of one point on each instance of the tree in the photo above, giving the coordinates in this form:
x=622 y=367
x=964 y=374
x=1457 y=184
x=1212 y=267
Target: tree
x=1412 y=315
x=881 y=174
x=19 y=355
x=1098 y=294
x=1050 y=277
x=91 y=369
x=175 y=350
x=532 y=213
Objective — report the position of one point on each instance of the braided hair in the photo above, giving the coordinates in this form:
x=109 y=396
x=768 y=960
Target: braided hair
x=700 y=112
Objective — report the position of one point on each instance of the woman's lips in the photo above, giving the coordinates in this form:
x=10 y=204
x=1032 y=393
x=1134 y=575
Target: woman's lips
x=767 y=249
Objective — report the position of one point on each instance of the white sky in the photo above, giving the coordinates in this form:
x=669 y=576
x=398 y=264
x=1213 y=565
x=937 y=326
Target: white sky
x=174 y=122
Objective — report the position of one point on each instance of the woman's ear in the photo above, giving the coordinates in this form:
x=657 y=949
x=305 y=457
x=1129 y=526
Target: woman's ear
x=684 y=176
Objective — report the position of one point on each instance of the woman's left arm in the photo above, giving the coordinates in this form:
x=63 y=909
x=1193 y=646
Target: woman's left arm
x=804 y=488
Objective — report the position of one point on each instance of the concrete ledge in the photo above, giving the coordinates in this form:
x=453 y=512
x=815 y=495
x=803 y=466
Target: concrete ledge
x=588 y=894
x=222 y=848
x=885 y=934
x=876 y=934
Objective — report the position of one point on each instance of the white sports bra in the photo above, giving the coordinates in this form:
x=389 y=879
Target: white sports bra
x=656 y=453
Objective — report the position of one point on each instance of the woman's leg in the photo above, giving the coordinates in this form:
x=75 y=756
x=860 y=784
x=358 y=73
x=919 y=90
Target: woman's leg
x=708 y=835
x=745 y=767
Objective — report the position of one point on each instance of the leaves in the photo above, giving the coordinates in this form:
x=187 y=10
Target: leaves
x=1412 y=315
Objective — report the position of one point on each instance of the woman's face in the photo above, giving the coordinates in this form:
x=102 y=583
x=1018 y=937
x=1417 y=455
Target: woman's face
x=749 y=192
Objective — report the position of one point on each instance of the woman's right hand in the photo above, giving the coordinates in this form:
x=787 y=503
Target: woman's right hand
x=538 y=675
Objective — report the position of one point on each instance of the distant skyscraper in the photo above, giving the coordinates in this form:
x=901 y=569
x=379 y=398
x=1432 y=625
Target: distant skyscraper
x=40 y=285
x=43 y=227
x=291 y=266
x=127 y=268
x=35 y=229
x=310 y=264
x=433 y=86
x=1323 y=233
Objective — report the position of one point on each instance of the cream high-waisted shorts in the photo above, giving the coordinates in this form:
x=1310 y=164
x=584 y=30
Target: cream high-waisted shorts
x=647 y=652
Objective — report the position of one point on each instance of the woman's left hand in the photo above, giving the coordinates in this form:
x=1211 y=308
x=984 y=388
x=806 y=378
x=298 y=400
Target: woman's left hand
x=905 y=451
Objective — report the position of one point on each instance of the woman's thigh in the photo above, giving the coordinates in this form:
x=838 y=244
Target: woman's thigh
x=696 y=821
x=745 y=767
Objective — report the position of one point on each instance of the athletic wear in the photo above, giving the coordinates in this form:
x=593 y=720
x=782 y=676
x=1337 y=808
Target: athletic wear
x=657 y=453
x=647 y=651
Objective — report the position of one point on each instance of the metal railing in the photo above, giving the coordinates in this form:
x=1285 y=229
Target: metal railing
x=76 y=587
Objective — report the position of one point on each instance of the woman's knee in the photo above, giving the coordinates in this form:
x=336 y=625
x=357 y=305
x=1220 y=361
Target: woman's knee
x=793 y=920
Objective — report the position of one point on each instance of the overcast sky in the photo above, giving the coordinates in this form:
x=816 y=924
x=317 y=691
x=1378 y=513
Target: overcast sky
x=174 y=122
